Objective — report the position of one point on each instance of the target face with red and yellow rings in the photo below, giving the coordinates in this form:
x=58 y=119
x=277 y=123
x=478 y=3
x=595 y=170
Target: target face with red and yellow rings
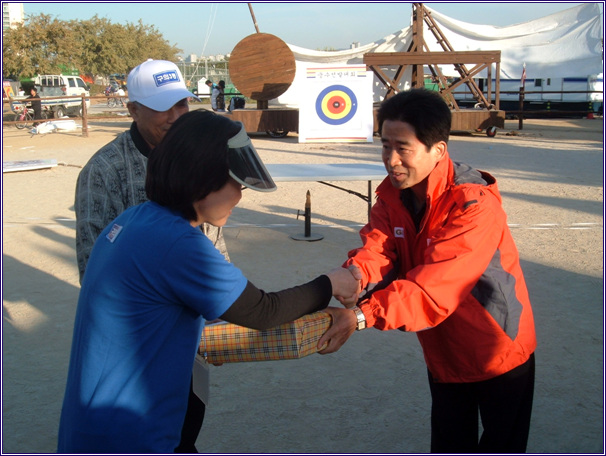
x=336 y=105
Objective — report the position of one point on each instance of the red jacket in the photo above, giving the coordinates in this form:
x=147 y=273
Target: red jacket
x=458 y=281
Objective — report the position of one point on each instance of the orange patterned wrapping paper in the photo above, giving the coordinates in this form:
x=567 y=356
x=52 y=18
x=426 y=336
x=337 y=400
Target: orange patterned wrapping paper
x=229 y=343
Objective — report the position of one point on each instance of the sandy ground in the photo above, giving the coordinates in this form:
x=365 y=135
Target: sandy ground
x=372 y=395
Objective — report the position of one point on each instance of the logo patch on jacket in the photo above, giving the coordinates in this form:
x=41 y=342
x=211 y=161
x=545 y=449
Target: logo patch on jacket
x=398 y=232
x=113 y=233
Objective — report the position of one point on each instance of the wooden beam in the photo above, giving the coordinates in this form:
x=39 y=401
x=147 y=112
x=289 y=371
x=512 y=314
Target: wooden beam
x=431 y=58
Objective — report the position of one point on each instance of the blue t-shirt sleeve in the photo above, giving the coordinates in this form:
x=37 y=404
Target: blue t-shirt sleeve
x=200 y=277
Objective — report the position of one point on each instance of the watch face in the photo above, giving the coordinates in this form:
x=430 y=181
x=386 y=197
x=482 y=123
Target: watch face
x=361 y=324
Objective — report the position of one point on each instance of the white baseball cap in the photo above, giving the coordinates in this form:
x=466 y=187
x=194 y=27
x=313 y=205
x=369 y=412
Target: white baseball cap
x=157 y=84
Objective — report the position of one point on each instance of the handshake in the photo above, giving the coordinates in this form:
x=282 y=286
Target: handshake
x=346 y=288
x=346 y=285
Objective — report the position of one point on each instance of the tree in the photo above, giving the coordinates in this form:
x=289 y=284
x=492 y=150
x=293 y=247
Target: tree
x=45 y=45
x=38 y=46
x=114 y=48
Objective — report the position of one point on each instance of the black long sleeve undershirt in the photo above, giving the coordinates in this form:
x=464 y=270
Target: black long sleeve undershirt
x=260 y=310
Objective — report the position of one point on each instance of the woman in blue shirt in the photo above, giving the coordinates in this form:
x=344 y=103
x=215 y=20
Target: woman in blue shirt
x=152 y=280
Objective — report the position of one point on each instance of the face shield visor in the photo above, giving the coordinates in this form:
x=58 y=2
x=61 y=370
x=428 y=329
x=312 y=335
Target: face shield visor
x=245 y=165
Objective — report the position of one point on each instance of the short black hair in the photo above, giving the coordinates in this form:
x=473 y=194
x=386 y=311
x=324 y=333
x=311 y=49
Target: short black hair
x=190 y=162
x=425 y=110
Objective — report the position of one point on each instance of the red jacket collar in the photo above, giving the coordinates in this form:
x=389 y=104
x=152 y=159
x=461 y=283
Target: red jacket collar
x=440 y=179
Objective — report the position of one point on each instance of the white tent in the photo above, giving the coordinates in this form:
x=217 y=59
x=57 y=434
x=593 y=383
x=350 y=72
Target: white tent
x=564 y=44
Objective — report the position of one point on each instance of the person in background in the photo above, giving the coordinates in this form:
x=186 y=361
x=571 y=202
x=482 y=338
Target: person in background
x=36 y=104
x=210 y=85
x=217 y=98
x=122 y=94
x=438 y=259
x=152 y=280
x=114 y=177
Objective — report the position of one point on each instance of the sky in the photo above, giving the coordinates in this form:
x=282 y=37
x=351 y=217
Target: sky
x=204 y=28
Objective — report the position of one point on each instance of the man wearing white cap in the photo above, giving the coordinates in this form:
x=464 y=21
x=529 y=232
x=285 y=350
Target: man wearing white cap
x=114 y=178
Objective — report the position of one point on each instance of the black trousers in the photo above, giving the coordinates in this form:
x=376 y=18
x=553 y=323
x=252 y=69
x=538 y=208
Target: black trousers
x=192 y=424
x=37 y=116
x=504 y=404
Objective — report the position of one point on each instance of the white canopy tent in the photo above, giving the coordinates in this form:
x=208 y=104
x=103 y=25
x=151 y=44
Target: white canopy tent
x=564 y=44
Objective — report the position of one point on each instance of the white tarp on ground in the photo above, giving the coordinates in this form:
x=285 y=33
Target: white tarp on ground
x=564 y=44
x=52 y=126
x=28 y=165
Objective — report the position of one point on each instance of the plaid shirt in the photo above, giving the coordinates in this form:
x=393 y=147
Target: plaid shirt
x=112 y=181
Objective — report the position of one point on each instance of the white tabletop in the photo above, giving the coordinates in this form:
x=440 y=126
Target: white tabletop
x=302 y=172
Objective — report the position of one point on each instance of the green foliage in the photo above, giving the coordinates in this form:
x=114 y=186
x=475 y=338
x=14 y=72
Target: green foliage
x=46 y=45
x=96 y=89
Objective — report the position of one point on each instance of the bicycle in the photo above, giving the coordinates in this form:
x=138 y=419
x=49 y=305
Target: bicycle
x=25 y=118
x=112 y=102
x=114 y=98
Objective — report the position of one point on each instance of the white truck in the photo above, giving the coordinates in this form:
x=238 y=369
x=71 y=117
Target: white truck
x=52 y=85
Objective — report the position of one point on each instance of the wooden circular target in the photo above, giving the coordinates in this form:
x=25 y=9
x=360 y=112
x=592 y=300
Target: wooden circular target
x=262 y=67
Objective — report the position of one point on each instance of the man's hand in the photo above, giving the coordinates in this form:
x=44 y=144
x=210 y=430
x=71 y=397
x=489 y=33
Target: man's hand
x=345 y=283
x=344 y=323
x=350 y=301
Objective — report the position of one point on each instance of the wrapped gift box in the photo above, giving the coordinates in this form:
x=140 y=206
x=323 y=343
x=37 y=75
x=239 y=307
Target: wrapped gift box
x=228 y=343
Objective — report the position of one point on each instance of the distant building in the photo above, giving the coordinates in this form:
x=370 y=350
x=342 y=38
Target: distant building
x=193 y=58
x=354 y=45
x=12 y=15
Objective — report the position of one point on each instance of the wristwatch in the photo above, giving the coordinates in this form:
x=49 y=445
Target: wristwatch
x=360 y=317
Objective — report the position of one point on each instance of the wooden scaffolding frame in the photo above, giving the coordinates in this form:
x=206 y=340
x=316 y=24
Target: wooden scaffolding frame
x=419 y=55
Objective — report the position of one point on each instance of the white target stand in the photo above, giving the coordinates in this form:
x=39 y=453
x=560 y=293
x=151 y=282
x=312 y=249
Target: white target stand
x=338 y=104
x=307 y=236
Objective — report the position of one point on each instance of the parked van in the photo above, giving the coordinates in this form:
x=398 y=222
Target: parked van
x=53 y=85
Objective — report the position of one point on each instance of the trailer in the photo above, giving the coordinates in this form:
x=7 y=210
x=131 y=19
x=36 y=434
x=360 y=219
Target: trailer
x=276 y=122
x=568 y=94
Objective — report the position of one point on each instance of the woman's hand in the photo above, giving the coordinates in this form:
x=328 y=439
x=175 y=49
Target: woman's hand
x=346 y=285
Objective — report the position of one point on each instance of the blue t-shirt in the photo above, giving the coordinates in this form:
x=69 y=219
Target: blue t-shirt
x=150 y=282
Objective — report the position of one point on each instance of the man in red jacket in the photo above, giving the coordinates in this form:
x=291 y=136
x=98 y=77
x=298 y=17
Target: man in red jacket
x=438 y=259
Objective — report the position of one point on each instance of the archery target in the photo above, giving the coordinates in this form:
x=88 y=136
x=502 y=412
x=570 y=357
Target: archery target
x=336 y=105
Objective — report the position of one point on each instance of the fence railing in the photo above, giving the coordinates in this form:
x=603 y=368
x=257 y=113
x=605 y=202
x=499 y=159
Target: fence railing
x=522 y=98
x=86 y=116
x=82 y=99
x=520 y=113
